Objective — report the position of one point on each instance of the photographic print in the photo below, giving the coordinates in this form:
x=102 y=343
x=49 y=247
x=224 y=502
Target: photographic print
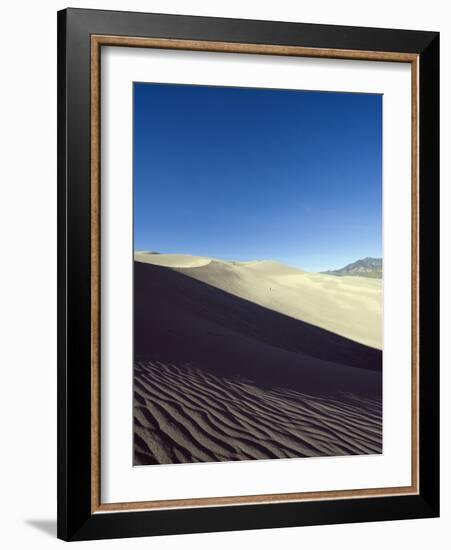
x=257 y=274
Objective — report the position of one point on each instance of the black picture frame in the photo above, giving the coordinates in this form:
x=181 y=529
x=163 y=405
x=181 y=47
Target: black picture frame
x=76 y=521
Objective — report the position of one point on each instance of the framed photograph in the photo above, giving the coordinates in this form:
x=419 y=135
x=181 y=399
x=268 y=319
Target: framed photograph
x=248 y=274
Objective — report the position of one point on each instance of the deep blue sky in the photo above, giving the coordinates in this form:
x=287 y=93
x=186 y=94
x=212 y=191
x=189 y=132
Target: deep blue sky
x=250 y=173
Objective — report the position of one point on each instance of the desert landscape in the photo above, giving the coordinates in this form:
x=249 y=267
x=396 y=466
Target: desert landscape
x=257 y=239
x=253 y=360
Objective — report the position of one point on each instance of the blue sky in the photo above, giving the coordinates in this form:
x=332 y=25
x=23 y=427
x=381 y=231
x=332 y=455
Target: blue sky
x=244 y=173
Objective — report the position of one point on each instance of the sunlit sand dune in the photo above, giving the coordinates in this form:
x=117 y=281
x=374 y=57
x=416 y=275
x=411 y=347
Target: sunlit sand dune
x=349 y=306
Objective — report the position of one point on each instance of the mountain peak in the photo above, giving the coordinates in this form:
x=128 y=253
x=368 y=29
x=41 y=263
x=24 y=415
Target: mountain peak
x=366 y=267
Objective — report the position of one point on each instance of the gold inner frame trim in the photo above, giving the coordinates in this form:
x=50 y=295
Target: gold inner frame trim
x=97 y=41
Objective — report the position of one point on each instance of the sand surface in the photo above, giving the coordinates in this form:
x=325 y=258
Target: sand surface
x=349 y=306
x=221 y=377
x=184 y=414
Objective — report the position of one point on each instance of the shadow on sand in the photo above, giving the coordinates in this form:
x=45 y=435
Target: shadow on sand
x=179 y=319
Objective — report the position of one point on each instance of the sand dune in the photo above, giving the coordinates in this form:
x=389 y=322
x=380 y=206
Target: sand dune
x=348 y=306
x=172 y=260
x=180 y=319
x=184 y=414
x=219 y=377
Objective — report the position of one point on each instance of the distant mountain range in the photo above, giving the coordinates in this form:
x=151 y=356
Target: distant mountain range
x=367 y=267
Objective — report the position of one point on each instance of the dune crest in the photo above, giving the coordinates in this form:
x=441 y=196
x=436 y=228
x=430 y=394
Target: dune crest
x=172 y=260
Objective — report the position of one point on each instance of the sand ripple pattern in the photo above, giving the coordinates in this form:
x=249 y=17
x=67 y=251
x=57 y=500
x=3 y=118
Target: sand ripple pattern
x=186 y=414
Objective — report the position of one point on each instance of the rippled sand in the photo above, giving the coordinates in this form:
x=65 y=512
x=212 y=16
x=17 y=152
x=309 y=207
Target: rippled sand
x=183 y=414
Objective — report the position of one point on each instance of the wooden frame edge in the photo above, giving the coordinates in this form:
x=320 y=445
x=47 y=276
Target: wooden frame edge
x=246 y=500
x=249 y=48
x=110 y=40
x=95 y=276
